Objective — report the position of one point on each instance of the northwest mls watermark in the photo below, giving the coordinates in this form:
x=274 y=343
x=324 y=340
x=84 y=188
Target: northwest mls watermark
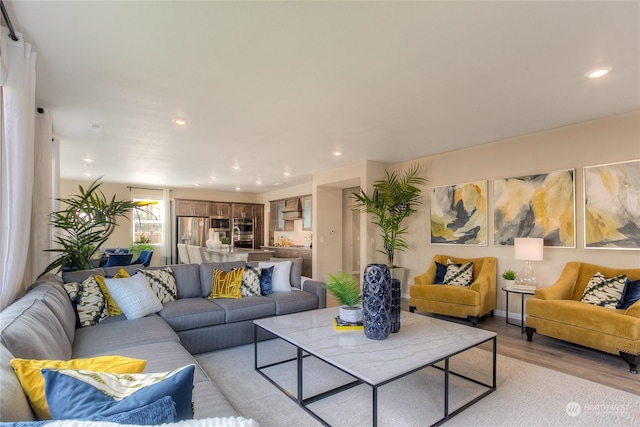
x=574 y=408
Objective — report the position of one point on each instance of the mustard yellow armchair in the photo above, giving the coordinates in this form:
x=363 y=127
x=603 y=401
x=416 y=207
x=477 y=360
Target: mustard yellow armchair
x=470 y=302
x=556 y=311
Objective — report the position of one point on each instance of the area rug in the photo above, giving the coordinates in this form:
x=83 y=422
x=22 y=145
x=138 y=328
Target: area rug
x=526 y=395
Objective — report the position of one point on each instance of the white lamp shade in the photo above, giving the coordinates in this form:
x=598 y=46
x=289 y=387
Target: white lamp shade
x=528 y=248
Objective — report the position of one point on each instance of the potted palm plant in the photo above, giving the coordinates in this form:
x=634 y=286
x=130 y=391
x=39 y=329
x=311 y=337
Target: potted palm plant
x=345 y=288
x=84 y=225
x=394 y=199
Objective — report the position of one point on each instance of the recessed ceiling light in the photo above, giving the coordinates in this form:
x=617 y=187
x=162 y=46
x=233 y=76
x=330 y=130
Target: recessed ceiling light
x=599 y=72
x=88 y=160
x=179 y=122
x=87 y=174
x=258 y=182
x=277 y=183
x=337 y=153
x=213 y=177
x=235 y=167
x=195 y=184
x=287 y=174
x=237 y=188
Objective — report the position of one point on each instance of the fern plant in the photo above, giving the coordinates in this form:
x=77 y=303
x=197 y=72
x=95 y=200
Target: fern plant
x=345 y=288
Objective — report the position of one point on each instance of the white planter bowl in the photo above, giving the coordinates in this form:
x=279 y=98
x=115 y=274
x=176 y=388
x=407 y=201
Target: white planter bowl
x=351 y=314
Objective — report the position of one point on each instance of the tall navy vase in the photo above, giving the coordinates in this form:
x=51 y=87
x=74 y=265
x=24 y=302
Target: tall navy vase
x=376 y=301
x=396 y=294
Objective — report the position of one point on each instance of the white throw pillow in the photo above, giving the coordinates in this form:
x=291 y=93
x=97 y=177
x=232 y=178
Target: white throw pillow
x=281 y=274
x=134 y=296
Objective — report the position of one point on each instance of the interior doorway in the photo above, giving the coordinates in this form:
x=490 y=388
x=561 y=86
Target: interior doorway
x=351 y=233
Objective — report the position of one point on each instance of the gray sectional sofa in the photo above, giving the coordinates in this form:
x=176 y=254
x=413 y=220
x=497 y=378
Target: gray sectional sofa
x=42 y=325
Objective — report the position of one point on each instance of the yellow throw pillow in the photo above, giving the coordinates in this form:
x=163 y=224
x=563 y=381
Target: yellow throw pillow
x=32 y=381
x=112 y=306
x=227 y=284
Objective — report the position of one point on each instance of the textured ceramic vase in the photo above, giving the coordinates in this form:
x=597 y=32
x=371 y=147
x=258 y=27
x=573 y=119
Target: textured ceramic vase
x=214 y=239
x=376 y=302
x=396 y=292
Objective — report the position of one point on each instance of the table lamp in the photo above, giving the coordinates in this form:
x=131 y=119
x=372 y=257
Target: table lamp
x=527 y=249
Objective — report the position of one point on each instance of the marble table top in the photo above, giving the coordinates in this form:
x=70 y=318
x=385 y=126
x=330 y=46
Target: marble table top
x=420 y=342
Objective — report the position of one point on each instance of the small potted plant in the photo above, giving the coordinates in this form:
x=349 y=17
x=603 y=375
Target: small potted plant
x=509 y=277
x=345 y=288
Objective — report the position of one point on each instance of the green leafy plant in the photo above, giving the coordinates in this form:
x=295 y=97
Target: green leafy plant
x=509 y=275
x=84 y=225
x=345 y=288
x=142 y=244
x=394 y=199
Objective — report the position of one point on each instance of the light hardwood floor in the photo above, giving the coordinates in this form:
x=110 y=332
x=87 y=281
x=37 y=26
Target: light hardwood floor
x=592 y=365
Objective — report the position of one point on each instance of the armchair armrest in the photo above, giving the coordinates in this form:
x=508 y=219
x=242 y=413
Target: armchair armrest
x=634 y=310
x=563 y=287
x=316 y=288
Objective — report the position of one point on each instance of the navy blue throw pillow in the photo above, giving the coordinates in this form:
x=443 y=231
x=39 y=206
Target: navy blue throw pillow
x=630 y=294
x=441 y=270
x=265 y=280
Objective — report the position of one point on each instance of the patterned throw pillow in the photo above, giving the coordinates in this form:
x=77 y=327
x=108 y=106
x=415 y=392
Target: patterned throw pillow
x=88 y=302
x=163 y=283
x=82 y=394
x=28 y=372
x=251 y=281
x=227 y=284
x=460 y=275
x=112 y=305
x=603 y=291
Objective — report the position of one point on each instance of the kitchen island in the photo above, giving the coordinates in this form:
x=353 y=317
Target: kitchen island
x=225 y=254
x=294 y=251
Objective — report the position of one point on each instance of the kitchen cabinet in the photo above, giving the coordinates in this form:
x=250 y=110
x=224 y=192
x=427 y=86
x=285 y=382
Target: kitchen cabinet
x=258 y=235
x=305 y=254
x=191 y=207
x=305 y=201
x=220 y=210
x=242 y=210
x=276 y=217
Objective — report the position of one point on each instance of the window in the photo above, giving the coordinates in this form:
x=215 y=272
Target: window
x=148 y=222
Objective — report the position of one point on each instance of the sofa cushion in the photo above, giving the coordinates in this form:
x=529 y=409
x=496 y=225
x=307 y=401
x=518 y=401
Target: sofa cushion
x=281 y=278
x=190 y=313
x=88 y=301
x=163 y=283
x=294 y=301
x=83 y=394
x=251 y=281
x=55 y=297
x=82 y=275
x=28 y=372
x=132 y=270
x=112 y=306
x=36 y=333
x=116 y=334
x=134 y=296
x=187 y=278
x=460 y=275
x=227 y=284
x=630 y=294
x=603 y=291
x=446 y=294
x=249 y=308
x=13 y=402
x=206 y=273
x=295 y=275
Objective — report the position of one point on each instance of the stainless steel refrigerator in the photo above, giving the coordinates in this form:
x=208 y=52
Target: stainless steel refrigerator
x=192 y=230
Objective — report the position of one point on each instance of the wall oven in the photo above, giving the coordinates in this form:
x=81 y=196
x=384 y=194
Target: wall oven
x=221 y=224
x=243 y=229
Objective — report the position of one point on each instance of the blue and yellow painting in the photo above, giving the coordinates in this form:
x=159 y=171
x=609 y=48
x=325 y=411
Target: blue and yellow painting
x=459 y=214
x=541 y=205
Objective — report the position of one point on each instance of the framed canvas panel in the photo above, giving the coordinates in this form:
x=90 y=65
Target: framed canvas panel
x=541 y=205
x=459 y=214
x=612 y=206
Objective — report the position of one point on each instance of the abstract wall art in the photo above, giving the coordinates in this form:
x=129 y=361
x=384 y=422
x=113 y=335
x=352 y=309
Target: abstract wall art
x=612 y=205
x=541 y=205
x=459 y=214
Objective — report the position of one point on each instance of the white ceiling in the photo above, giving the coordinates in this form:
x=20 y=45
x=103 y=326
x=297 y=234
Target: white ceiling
x=277 y=86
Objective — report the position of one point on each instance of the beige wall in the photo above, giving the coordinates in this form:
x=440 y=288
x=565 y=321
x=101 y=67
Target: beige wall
x=596 y=142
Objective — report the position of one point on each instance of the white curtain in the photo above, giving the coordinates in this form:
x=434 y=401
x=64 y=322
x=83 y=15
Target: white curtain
x=17 y=78
x=44 y=175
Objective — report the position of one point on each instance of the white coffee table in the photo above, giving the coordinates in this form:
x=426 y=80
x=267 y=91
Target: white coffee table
x=421 y=342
